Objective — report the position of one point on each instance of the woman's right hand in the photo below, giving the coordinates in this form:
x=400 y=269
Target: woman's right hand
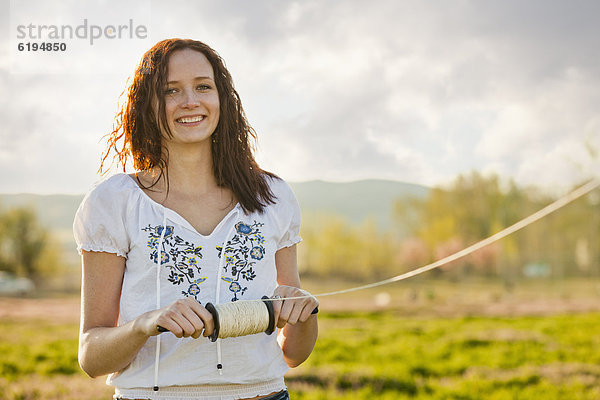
x=183 y=318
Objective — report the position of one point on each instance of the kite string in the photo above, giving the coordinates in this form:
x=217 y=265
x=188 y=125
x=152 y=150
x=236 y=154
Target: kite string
x=561 y=202
x=254 y=316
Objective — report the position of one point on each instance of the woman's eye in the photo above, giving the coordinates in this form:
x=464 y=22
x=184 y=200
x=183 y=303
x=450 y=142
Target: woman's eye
x=170 y=91
x=204 y=87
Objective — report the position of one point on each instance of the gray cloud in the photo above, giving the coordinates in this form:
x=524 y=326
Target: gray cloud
x=408 y=90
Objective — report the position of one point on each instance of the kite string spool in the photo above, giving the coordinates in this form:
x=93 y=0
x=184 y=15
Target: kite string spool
x=241 y=318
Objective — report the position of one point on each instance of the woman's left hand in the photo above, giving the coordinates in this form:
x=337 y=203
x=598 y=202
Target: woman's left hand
x=292 y=311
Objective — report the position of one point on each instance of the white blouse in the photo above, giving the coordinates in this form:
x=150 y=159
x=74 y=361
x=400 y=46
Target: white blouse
x=236 y=261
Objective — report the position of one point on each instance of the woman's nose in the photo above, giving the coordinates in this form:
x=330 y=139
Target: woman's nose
x=190 y=99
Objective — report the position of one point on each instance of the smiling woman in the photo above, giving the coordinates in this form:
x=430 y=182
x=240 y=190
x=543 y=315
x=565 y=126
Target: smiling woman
x=147 y=119
x=192 y=99
x=198 y=222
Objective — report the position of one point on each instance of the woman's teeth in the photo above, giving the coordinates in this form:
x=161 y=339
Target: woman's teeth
x=190 y=119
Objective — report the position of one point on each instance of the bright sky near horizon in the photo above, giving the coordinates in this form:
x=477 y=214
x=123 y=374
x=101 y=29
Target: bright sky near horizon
x=337 y=90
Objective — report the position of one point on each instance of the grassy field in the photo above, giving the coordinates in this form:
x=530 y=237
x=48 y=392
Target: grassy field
x=392 y=353
x=384 y=356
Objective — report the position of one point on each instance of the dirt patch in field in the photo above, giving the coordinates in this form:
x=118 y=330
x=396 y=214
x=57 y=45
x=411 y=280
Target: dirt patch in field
x=62 y=310
x=535 y=307
x=448 y=299
x=66 y=310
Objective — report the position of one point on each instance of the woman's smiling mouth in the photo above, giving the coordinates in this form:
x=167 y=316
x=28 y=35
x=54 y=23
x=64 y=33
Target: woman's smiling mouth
x=190 y=120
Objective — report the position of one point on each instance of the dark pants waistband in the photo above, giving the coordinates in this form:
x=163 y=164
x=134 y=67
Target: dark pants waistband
x=283 y=395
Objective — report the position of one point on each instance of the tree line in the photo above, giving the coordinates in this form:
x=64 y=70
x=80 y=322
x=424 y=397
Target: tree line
x=26 y=247
x=473 y=207
x=450 y=218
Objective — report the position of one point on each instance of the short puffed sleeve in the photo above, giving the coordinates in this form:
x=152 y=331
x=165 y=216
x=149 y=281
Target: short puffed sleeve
x=287 y=212
x=99 y=223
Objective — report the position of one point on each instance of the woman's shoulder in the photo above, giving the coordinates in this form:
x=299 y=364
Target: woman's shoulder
x=278 y=186
x=283 y=195
x=111 y=189
x=118 y=181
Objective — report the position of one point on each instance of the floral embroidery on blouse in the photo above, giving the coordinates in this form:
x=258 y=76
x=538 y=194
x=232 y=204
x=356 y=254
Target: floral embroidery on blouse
x=178 y=255
x=241 y=253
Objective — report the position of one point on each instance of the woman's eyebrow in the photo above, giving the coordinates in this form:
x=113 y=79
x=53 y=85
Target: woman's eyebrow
x=198 y=78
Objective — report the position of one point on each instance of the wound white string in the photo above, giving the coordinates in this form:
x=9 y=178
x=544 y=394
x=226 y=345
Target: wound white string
x=242 y=318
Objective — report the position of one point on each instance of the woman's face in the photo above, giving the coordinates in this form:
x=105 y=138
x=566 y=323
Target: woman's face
x=191 y=98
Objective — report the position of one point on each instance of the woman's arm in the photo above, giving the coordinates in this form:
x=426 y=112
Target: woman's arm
x=300 y=329
x=105 y=347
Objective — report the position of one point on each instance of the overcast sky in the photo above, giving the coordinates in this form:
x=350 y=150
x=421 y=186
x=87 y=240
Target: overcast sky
x=415 y=91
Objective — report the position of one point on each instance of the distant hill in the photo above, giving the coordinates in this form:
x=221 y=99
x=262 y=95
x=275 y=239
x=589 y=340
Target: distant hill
x=54 y=211
x=353 y=201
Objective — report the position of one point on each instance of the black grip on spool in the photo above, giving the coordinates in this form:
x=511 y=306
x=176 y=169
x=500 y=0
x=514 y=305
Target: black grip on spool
x=215 y=314
x=269 y=304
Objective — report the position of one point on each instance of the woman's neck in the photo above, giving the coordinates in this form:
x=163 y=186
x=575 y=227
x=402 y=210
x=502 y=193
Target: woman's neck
x=189 y=170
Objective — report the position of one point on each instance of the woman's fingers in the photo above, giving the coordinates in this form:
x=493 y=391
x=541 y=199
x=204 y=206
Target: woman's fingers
x=285 y=312
x=277 y=307
x=206 y=318
x=186 y=318
x=294 y=310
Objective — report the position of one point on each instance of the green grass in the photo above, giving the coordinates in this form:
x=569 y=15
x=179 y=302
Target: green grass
x=365 y=356
x=38 y=361
x=37 y=348
x=382 y=355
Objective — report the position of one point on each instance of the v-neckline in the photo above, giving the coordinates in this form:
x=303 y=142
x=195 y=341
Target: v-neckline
x=174 y=215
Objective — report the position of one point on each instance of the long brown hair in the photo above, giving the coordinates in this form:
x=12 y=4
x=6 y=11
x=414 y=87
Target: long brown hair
x=136 y=133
